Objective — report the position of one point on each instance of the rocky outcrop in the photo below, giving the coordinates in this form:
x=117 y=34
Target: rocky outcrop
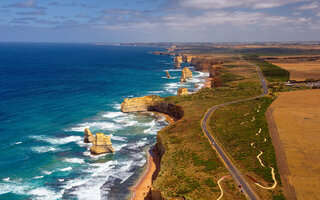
x=196 y=85
x=182 y=91
x=88 y=136
x=168 y=75
x=186 y=73
x=187 y=58
x=214 y=71
x=101 y=144
x=177 y=61
x=165 y=53
x=152 y=103
x=139 y=104
x=202 y=64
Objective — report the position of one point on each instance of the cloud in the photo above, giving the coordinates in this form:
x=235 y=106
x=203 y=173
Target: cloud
x=220 y=4
x=33 y=13
x=24 y=4
x=310 y=6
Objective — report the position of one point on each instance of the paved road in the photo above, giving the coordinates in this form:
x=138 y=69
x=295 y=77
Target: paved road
x=235 y=173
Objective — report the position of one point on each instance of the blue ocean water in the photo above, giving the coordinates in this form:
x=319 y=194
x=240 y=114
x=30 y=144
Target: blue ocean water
x=50 y=92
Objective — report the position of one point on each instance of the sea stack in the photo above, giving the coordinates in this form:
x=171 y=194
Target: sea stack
x=186 y=73
x=177 y=61
x=196 y=85
x=101 y=144
x=182 y=91
x=168 y=75
x=88 y=136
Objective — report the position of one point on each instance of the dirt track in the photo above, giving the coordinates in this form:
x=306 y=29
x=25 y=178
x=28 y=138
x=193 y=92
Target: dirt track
x=295 y=129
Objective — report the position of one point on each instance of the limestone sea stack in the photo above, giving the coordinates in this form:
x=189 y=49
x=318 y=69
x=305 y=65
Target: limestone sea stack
x=88 y=136
x=168 y=75
x=101 y=144
x=177 y=61
x=186 y=73
x=196 y=85
x=182 y=91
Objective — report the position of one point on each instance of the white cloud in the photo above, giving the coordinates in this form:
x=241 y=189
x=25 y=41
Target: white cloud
x=218 y=4
x=311 y=6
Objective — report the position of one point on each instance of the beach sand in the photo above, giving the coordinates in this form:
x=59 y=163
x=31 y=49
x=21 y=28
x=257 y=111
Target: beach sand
x=142 y=188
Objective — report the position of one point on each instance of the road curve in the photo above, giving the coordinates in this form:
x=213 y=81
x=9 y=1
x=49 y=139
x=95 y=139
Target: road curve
x=235 y=173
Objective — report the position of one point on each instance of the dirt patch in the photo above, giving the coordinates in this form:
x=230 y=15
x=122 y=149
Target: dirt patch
x=294 y=126
x=301 y=70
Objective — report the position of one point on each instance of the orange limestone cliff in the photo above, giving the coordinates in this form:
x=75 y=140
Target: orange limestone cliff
x=151 y=103
x=186 y=73
x=182 y=91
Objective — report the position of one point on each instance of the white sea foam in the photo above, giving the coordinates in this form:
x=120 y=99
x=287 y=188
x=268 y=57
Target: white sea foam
x=38 y=177
x=56 y=140
x=118 y=138
x=117 y=106
x=18 y=142
x=66 y=169
x=74 y=160
x=118 y=147
x=97 y=125
x=44 y=149
x=60 y=179
x=6 y=179
x=47 y=172
x=44 y=194
x=112 y=114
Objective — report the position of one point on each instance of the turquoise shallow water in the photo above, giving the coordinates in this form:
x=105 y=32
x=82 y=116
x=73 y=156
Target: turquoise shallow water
x=50 y=92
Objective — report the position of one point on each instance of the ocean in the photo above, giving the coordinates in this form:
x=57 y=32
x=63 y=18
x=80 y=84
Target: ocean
x=49 y=93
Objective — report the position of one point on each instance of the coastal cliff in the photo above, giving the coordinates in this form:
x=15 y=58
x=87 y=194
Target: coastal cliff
x=152 y=103
x=202 y=64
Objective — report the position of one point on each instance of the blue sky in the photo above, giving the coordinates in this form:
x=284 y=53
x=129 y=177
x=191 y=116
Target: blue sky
x=159 y=20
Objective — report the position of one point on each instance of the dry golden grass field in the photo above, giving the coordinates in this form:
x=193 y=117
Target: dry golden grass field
x=294 y=126
x=300 y=70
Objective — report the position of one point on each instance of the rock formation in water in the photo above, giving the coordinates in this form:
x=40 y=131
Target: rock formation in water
x=195 y=85
x=151 y=103
x=168 y=75
x=177 y=61
x=101 y=144
x=88 y=136
x=182 y=91
x=186 y=73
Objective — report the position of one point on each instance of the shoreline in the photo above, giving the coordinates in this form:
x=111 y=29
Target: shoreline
x=141 y=189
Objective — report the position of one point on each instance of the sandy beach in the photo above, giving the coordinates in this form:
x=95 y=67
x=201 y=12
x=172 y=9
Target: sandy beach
x=142 y=188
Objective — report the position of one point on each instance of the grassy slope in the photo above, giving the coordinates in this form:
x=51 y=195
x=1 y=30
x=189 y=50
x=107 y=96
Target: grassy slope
x=234 y=128
x=189 y=159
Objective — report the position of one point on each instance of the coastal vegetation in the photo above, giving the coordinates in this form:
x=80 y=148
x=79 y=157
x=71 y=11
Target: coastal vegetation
x=189 y=158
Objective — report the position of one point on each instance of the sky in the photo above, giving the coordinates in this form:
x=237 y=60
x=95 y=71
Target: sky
x=82 y=21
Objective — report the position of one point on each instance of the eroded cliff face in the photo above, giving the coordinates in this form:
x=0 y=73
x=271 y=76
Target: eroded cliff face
x=214 y=71
x=151 y=103
x=186 y=73
x=202 y=64
x=187 y=58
